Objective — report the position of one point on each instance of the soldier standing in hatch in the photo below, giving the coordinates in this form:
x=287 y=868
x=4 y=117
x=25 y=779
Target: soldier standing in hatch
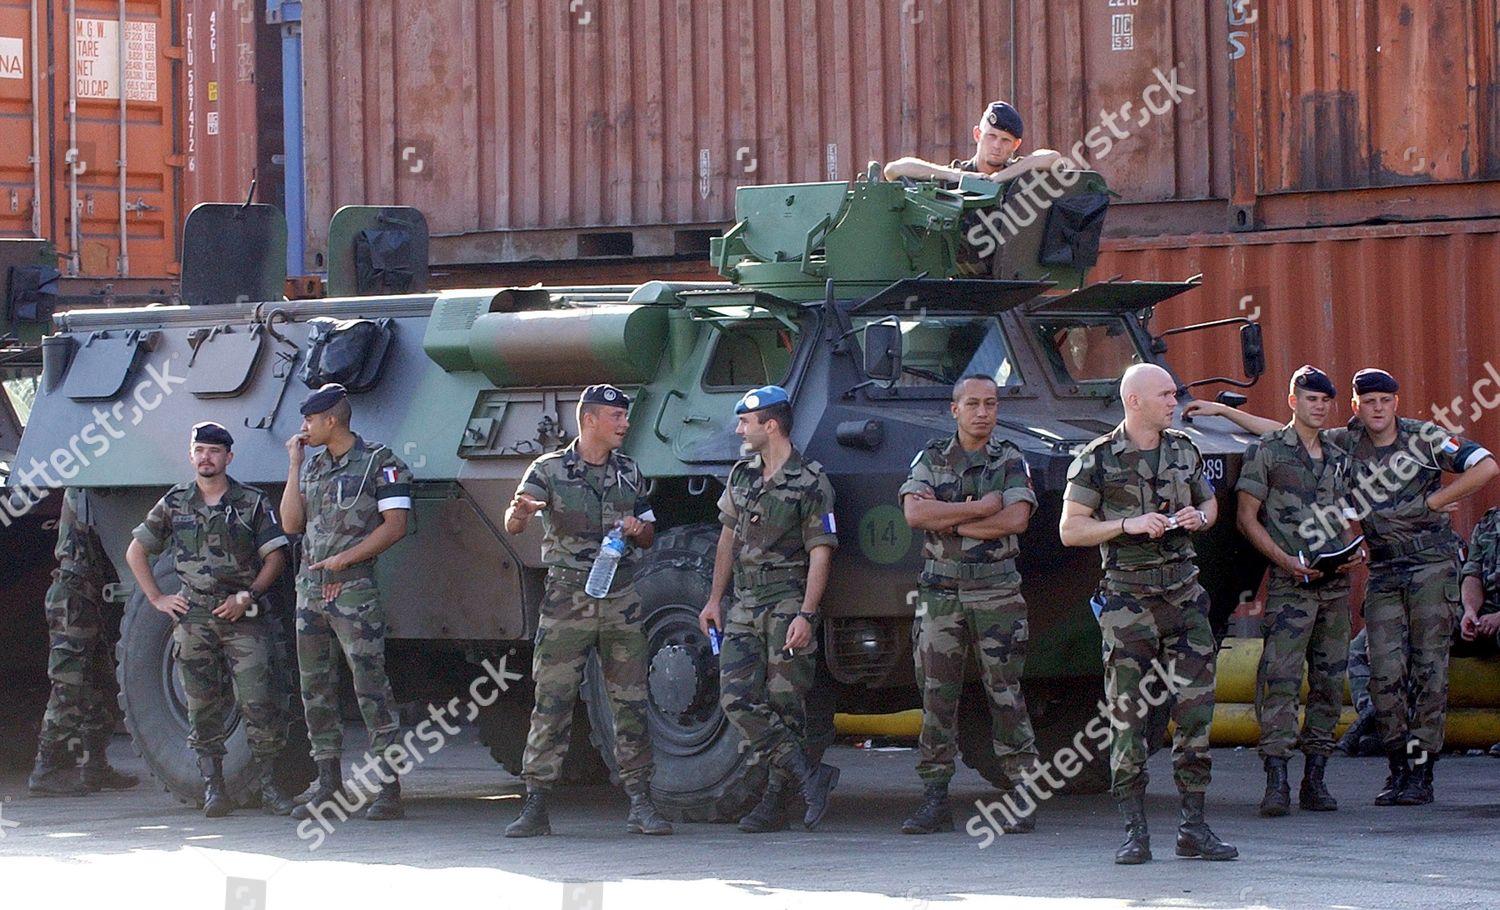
x=229 y=551
x=1287 y=474
x=997 y=139
x=1412 y=598
x=776 y=544
x=81 y=705
x=1138 y=493
x=351 y=502
x=971 y=494
x=582 y=493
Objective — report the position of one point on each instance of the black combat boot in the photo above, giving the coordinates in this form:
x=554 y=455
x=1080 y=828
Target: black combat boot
x=98 y=774
x=1194 y=837
x=1020 y=824
x=272 y=800
x=1396 y=782
x=1418 y=788
x=1363 y=726
x=770 y=814
x=1278 y=798
x=1137 y=846
x=643 y=817
x=56 y=773
x=933 y=815
x=330 y=785
x=387 y=805
x=533 y=819
x=1314 y=795
x=216 y=802
x=815 y=782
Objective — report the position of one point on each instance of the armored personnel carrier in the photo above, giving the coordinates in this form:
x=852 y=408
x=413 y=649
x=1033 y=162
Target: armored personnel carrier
x=866 y=301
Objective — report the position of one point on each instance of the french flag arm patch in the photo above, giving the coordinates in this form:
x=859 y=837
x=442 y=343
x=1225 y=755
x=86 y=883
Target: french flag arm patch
x=389 y=474
x=830 y=526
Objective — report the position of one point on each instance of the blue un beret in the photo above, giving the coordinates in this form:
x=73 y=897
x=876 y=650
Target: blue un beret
x=1002 y=116
x=764 y=397
x=1372 y=380
x=212 y=434
x=604 y=393
x=1314 y=380
x=323 y=399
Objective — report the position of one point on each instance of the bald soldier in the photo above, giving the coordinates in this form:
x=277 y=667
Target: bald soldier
x=1139 y=494
x=1412 y=598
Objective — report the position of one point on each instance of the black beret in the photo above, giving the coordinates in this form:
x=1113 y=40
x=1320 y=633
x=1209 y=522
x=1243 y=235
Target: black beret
x=212 y=434
x=1372 y=380
x=1002 y=116
x=1314 y=380
x=323 y=399
x=604 y=393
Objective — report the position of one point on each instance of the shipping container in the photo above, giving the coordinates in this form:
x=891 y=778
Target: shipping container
x=541 y=130
x=129 y=113
x=1417 y=300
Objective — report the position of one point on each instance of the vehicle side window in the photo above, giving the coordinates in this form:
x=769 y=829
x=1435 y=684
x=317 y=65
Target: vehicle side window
x=745 y=357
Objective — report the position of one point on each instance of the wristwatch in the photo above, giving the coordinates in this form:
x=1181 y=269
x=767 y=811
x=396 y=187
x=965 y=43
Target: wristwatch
x=812 y=618
x=1202 y=518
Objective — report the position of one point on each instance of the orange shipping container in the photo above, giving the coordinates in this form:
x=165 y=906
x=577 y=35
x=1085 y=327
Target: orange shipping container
x=541 y=130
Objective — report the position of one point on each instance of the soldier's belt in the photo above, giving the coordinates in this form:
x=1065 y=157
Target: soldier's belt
x=1427 y=540
x=570 y=577
x=745 y=579
x=353 y=573
x=1161 y=576
x=967 y=571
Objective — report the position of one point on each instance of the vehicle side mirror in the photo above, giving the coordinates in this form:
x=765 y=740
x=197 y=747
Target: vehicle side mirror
x=882 y=345
x=1252 y=350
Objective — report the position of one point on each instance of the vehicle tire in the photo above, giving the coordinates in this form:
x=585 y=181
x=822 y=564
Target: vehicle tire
x=156 y=711
x=504 y=725
x=701 y=774
x=1059 y=709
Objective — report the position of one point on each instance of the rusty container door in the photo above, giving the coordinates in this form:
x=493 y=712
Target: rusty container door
x=231 y=103
x=87 y=152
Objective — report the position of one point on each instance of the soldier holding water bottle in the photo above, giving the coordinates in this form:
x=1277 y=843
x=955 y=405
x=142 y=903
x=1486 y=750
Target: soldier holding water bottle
x=595 y=522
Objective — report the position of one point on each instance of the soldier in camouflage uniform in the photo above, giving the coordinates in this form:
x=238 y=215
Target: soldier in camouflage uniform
x=971 y=493
x=351 y=502
x=1479 y=628
x=776 y=544
x=583 y=493
x=81 y=706
x=1287 y=474
x=1138 y=493
x=228 y=551
x=1412 y=598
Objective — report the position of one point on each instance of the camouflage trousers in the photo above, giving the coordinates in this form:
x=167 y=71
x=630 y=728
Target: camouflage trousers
x=762 y=690
x=204 y=651
x=81 y=706
x=991 y=621
x=1303 y=628
x=1158 y=648
x=348 y=629
x=572 y=624
x=1410 y=610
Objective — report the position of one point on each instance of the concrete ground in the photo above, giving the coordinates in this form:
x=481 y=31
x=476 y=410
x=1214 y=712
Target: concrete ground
x=141 y=847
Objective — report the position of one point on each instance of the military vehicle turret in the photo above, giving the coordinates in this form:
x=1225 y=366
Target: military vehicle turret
x=866 y=301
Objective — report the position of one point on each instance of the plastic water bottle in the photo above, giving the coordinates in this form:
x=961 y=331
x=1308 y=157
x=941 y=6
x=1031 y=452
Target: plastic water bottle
x=602 y=574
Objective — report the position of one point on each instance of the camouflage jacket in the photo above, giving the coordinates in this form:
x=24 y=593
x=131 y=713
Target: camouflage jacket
x=777 y=521
x=81 y=562
x=343 y=499
x=944 y=469
x=584 y=502
x=1116 y=480
x=219 y=548
x=1393 y=511
x=1483 y=561
x=1280 y=473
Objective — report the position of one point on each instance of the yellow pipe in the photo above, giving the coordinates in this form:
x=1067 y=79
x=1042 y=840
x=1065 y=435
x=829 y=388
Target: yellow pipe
x=1472 y=682
x=906 y=724
x=1467 y=728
